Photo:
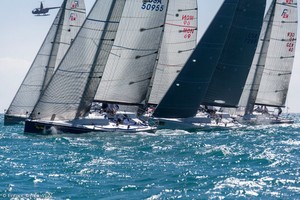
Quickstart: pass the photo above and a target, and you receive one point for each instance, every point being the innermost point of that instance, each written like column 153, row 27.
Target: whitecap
column 294, row 189
column 291, row 142
column 154, row 197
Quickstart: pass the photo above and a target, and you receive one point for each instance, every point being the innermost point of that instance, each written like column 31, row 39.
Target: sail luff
column 229, row 78
column 62, row 97
column 93, row 81
column 31, row 86
column 261, row 60
column 131, row 63
column 178, row 42
column 230, row 39
column 54, row 46
column 54, row 49
column 185, row 94
column 278, row 68
column 156, row 62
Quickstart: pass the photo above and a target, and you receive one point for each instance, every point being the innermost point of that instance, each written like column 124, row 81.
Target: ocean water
column 260, row 162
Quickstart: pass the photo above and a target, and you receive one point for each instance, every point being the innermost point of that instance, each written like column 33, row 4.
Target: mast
column 279, row 63
column 48, row 55
column 94, row 76
column 130, row 66
column 259, row 63
column 54, row 49
column 74, row 83
column 233, row 27
column 228, row 80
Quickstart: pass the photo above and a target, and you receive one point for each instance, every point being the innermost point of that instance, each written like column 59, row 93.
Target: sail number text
column 153, row 5
column 291, row 41
column 187, row 21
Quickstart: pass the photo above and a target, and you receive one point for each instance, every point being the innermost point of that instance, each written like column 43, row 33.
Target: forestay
column 179, row 41
column 278, row 67
column 72, row 88
column 133, row 57
column 229, row 78
column 54, row 47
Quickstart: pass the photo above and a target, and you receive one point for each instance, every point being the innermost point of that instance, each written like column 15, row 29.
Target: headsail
column 229, row 78
column 132, row 60
column 233, row 21
column 72, row 88
column 179, row 41
column 55, row 45
column 278, row 67
column 251, row 87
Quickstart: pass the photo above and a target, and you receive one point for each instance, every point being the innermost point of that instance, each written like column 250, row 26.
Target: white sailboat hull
column 201, row 122
column 261, row 119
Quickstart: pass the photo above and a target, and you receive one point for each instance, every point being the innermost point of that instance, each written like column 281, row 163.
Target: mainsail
column 251, row 87
column 178, row 43
column 235, row 27
column 231, row 73
column 279, row 61
column 73, row 86
column 63, row 30
column 133, row 57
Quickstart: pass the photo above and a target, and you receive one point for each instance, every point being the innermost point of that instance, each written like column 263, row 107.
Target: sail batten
column 62, row 31
column 75, row 82
column 279, row 62
column 233, row 67
column 132, row 59
column 178, row 43
column 231, row 39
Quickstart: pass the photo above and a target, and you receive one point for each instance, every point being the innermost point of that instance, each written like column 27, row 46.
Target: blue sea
column 261, row 162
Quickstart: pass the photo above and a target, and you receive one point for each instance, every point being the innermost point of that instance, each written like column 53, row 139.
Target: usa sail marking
column 153, row 5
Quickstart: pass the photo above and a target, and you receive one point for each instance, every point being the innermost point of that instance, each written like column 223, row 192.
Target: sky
column 21, row 35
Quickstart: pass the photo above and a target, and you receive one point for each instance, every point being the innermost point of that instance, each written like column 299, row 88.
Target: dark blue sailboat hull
column 48, row 128
column 10, row 120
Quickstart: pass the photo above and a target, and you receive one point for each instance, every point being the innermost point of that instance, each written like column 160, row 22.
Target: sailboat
column 268, row 81
column 217, row 70
column 109, row 62
column 63, row 30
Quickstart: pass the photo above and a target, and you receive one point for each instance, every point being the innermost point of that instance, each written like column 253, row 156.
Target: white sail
column 278, row 67
column 73, row 86
column 76, row 16
column 55, row 45
column 179, row 41
column 132, row 60
column 251, row 87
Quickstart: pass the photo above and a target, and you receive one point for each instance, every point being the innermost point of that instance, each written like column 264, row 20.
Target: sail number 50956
column 152, row 7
